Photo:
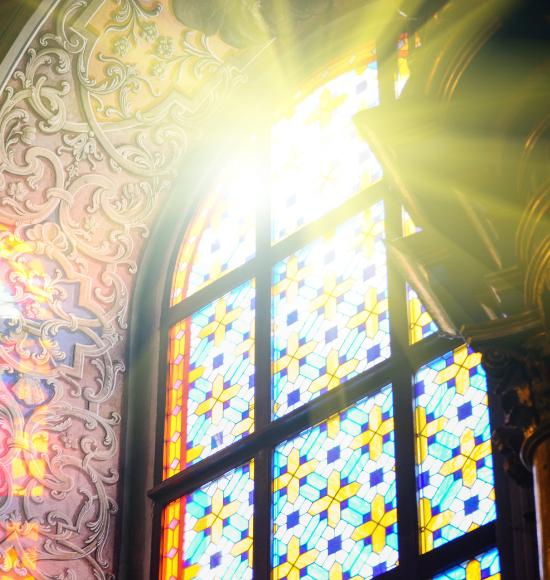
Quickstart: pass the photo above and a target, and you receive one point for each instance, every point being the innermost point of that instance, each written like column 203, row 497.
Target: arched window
column 316, row 424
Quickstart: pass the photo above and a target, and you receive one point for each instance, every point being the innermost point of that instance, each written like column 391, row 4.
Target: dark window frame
column 398, row 370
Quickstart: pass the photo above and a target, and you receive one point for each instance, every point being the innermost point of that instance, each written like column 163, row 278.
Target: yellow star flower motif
column 367, row 237
column 375, row 434
column 218, row 398
column 331, row 292
column 294, row 561
column 425, row 430
column 376, row 528
column 326, row 105
column 294, row 472
column 244, row 545
column 331, row 501
column 460, row 370
column 335, row 573
column 293, row 277
column 417, row 320
column 429, row 524
column 467, row 460
column 291, row 360
column 246, row 424
column 335, row 372
column 333, row 426
column 221, row 319
column 247, row 345
column 369, row 316
column 214, row 520
column 473, row 570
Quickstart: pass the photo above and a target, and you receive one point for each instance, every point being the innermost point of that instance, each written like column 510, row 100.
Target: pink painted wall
column 94, row 125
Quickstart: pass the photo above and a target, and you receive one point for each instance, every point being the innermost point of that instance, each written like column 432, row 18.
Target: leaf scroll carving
column 83, row 167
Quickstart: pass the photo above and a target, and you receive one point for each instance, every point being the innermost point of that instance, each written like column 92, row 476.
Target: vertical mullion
column 262, row 395
column 405, row 463
column 402, row 380
column 262, row 515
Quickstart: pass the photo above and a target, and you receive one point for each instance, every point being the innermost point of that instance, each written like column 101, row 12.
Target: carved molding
column 94, row 123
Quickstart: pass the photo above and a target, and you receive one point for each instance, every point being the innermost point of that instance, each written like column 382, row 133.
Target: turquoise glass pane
column 334, row 500
column 330, row 311
column 453, row 446
column 483, row 567
column 208, row 535
column 210, row 391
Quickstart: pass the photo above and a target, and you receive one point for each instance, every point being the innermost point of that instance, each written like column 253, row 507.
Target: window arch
column 316, row 425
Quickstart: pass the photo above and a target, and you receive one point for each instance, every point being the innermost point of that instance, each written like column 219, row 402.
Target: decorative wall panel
column 94, row 123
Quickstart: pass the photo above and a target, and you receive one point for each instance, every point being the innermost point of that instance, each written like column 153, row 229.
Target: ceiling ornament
column 244, row 23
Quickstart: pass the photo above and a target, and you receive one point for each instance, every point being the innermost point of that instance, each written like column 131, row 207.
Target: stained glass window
column 330, row 311
column 318, row 160
column 334, row 500
column 210, row 401
column 330, row 465
column 409, row 226
column 208, row 534
column 222, row 235
column 403, row 73
column 483, row 567
column 453, row 448
column 421, row 324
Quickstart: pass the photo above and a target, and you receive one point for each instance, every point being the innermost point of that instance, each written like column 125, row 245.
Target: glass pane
column 409, row 226
column 421, row 324
column 222, row 235
column 334, row 501
column 453, row 448
column 403, row 73
column 330, row 311
column 484, row 567
column 318, row 160
column 208, row 535
column 210, row 399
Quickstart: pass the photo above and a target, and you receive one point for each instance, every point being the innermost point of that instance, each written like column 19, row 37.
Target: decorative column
column 516, row 356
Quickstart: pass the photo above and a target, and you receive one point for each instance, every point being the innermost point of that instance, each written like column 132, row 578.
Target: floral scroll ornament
column 82, row 147
column 122, row 46
column 17, row 191
column 131, row 18
column 195, row 49
column 149, row 31
column 70, row 242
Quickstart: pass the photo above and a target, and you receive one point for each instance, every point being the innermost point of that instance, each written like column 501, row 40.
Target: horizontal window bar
column 298, row 420
column 217, row 289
